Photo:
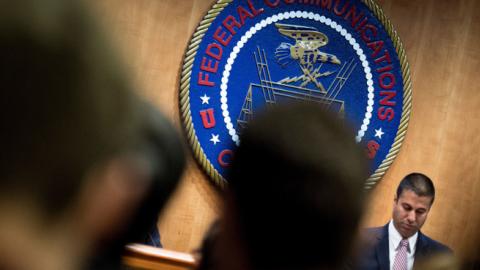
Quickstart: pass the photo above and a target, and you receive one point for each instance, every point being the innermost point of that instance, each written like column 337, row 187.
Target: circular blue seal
column 249, row 55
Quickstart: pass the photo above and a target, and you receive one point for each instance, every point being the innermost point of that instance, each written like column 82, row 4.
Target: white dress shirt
column 394, row 239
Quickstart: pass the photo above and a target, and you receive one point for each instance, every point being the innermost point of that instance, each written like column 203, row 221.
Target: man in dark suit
column 400, row 244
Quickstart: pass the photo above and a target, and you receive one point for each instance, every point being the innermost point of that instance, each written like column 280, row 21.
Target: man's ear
column 110, row 196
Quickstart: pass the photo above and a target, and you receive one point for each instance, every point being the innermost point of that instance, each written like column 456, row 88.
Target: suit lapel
column 383, row 249
column 421, row 249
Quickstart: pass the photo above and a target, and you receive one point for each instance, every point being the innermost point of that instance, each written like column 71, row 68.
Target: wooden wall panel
column 441, row 38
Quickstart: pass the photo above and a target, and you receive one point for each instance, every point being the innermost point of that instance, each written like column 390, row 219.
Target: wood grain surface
column 441, row 38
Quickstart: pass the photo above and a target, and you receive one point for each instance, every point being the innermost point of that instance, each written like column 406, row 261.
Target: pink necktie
column 400, row 261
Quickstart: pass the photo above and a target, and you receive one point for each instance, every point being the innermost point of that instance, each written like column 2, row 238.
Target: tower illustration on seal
column 306, row 87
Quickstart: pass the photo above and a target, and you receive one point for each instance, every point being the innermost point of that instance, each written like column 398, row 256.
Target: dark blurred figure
column 473, row 261
column 163, row 151
column 400, row 244
column 295, row 194
column 85, row 165
column 439, row 261
column 208, row 256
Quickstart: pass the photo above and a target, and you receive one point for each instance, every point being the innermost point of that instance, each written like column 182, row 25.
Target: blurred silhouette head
column 295, row 190
column 84, row 162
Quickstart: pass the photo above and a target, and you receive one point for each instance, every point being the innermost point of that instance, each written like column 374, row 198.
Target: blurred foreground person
column 400, row 244
column 439, row 261
column 85, row 165
column 295, row 194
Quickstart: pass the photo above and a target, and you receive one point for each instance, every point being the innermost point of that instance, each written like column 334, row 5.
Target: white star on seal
column 379, row 133
column 205, row 99
column 215, row 139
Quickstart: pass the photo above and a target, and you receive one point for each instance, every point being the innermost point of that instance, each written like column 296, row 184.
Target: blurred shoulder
column 375, row 232
column 434, row 245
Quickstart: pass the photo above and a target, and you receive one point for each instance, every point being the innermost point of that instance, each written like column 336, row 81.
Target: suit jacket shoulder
column 426, row 246
column 374, row 249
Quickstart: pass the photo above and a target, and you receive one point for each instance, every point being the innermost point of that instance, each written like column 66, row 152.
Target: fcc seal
column 249, row 55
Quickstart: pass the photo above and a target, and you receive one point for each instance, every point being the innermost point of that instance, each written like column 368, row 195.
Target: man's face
column 410, row 212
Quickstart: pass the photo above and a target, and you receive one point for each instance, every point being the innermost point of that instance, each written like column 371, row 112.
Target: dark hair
column 419, row 183
column 297, row 182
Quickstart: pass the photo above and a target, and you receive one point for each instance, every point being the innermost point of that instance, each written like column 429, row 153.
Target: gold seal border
column 186, row 115
column 185, row 90
column 407, row 95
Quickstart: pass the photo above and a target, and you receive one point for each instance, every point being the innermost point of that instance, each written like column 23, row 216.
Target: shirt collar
column 395, row 238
